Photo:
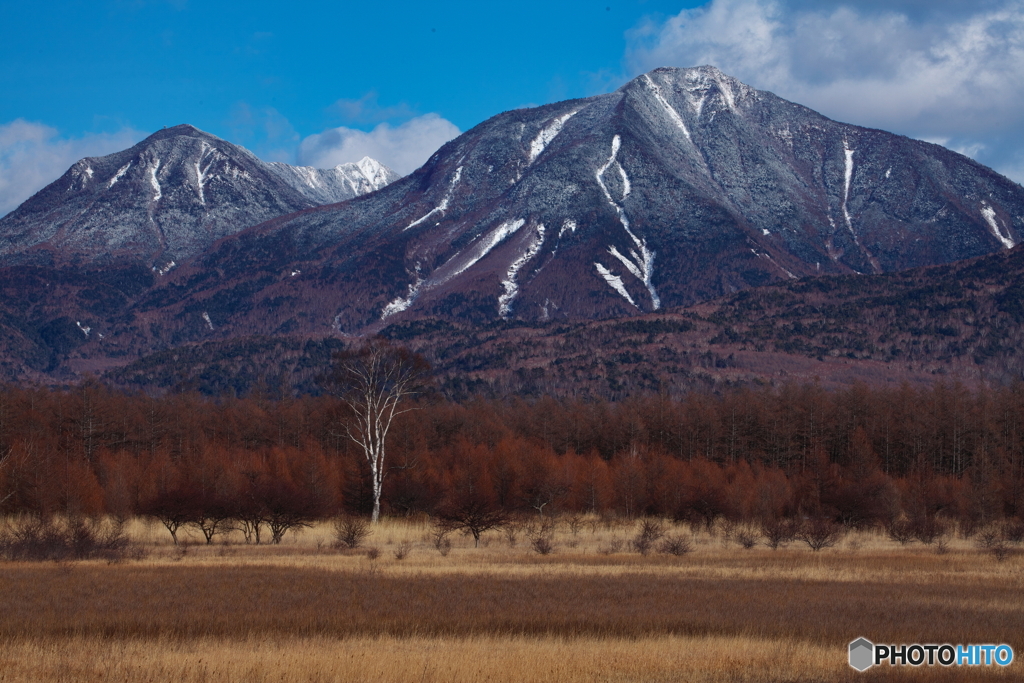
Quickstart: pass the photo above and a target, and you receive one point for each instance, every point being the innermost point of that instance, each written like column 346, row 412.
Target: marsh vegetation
column 594, row 607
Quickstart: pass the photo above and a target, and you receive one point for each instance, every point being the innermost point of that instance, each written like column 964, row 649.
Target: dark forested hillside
column 963, row 321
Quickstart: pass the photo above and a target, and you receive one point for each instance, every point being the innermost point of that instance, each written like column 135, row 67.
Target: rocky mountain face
column 166, row 199
column 682, row 186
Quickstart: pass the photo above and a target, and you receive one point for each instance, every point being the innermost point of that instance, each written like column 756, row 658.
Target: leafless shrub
column 350, row 532
column 942, row 547
column 899, row 530
column 778, row 532
column 651, row 531
column 927, row 529
column 402, row 551
column 283, row 508
column 967, row 527
column 1013, row 531
column 988, row 539
column 75, row 539
column 372, row 553
column 819, row 533
column 545, row 526
column 511, row 530
column 675, row 545
column 993, row 540
column 473, row 514
column 575, row 523
column 542, row 545
column 442, row 543
column 541, row 536
column 744, row 538
column 614, row 546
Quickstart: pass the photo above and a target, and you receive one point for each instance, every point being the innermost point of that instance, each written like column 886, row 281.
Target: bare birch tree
column 375, row 382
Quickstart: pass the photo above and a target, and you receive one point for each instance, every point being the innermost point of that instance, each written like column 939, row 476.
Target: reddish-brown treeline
column 859, row 456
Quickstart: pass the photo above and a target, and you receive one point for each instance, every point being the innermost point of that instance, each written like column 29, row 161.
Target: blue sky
column 320, row 84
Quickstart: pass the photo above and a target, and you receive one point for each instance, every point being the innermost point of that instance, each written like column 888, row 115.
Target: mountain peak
column 167, row 198
column 181, row 130
column 341, row 183
column 692, row 74
column 367, row 165
column 693, row 87
column 683, row 185
column 704, row 70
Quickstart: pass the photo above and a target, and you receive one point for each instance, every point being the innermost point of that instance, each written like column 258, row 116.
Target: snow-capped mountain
column 168, row 198
column 332, row 185
column 682, row 185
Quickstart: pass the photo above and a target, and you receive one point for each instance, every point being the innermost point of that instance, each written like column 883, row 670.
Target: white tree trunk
column 376, row 379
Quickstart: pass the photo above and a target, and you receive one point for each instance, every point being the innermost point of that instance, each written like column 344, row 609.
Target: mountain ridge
column 616, row 192
column 168, row 198
column 341, row 183
column 681, row 187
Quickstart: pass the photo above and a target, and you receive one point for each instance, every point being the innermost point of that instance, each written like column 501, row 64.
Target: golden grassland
column 589, row 611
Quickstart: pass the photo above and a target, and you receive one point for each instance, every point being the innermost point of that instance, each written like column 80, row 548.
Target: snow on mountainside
column 338, row 184
column 681, row 186
column 168, row 198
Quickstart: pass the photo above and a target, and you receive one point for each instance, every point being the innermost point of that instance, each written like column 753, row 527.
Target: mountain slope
column 681, row 186
column 168, row 198
column 960, row 322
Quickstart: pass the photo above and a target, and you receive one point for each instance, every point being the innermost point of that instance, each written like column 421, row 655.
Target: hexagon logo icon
column 862, row 654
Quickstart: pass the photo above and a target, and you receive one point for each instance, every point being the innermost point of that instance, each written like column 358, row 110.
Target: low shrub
column 63, row 540
column 778, row 532
column 350, row 532
column 675, row 545
column 651, row 531
column 819, row 533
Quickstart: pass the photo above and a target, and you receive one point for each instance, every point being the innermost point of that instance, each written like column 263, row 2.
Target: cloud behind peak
column 404, row 147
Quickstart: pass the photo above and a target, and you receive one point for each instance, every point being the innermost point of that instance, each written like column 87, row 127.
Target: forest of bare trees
column 858, row 457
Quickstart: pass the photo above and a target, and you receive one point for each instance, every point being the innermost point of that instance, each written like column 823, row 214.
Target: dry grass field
column 591, row 610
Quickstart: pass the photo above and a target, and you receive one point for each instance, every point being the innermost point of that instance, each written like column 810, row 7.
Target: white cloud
column 403, row 148
column 32, row 155
column 952, row 71
column 367, row 109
